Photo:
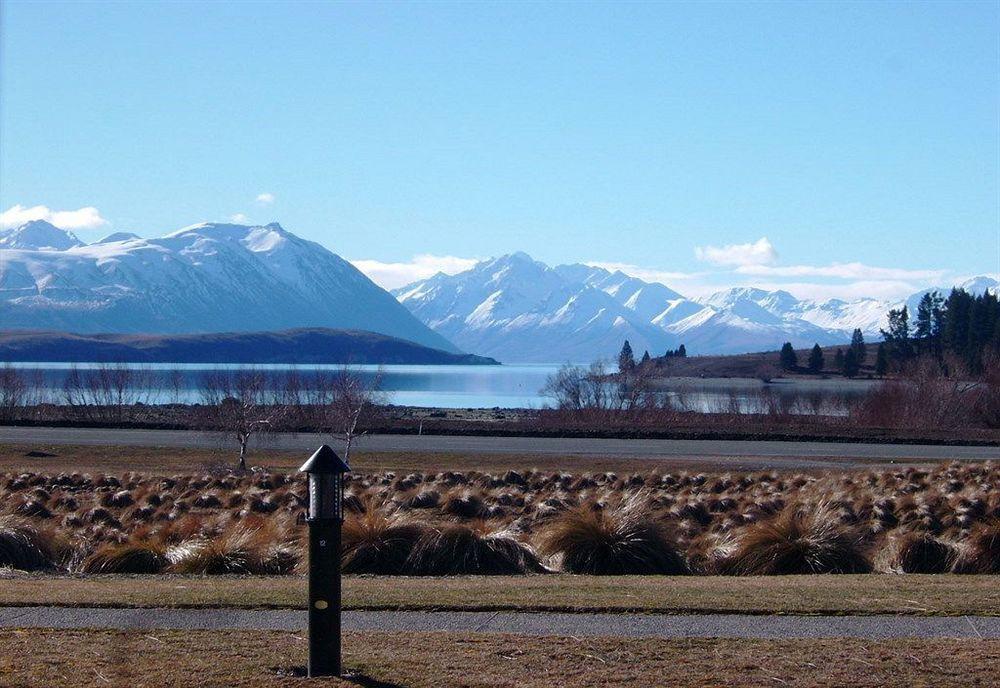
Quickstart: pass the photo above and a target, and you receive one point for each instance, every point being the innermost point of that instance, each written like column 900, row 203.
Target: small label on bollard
column 320, row 604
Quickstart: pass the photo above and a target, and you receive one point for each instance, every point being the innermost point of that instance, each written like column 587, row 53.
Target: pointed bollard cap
column 325, row 460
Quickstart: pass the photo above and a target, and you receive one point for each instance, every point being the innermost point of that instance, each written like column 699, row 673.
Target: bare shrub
column 922, row 397
column 106, row 392
column 343, row 401
column 13, row 392
column 235, row 404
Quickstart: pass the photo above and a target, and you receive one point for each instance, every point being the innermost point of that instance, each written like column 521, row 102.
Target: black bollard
column 326, row 517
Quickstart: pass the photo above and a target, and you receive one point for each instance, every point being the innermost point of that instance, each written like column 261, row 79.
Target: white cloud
column 392, row 275
column 239, row 218
column 83, row 218
column 760, row 252
column 847, row 271
column 266, row 198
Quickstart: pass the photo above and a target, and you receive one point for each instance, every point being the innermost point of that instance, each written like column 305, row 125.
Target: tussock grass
column 623, row 539
column 460, row 549
column 26, row 547
column 373, row 542
column 917, row 552
column 148, row 556
column 914, row 520
column 802, row 539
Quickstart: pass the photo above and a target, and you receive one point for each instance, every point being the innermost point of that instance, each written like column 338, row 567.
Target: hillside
column 209, row 277
column 762, row 364
column 306, row 346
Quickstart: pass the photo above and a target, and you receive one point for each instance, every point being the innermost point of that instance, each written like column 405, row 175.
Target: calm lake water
column 507, row 386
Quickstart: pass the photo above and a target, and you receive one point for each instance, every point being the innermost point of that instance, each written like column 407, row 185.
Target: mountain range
column 204, row 278
column 215, row 277
column 518, row 309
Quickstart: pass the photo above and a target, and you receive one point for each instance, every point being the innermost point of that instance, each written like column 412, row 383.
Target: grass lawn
column 42, row 458
column 831, row 594
column 81, row 659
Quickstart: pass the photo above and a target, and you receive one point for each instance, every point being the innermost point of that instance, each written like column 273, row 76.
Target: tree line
column 627, row 362
column 960, row 332
column 235, row 403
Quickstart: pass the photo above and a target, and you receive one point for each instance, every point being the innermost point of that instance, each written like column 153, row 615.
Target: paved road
column 804, row 454
column 520, row 623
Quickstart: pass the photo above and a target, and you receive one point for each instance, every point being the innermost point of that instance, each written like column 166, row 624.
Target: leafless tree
column 236, row 404
column 175, row 383
column 13, row 392
column 346, row 398
column 575, row 388
column 106, row 393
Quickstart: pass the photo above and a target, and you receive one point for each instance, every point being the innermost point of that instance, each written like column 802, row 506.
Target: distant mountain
column 517, row 309
column 204, row 278
column 38, row 235
column 306, row 346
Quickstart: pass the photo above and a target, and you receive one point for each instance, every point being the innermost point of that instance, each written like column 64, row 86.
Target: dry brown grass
column 616, row 539
column 944, row 594
column 801, row 539
column 482, row 522
column 252, row 659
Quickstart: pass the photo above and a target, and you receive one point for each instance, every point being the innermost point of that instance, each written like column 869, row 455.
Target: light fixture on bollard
column 326, row 516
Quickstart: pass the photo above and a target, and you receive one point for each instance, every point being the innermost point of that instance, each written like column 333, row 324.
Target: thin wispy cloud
column 847, row 271
column 760, row 252
column 393, row 275
column 82, row 218
column 265, row 198
column 239, row 218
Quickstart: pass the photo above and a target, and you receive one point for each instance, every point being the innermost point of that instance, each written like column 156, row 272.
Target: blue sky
column 844, row 149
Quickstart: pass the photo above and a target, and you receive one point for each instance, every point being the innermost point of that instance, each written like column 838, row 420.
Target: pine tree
column 897, row 337
column 925, row 317
column 816, row 359
column 789, row 360
column 626, row 359
column 858, row 346
column 851, row 365
column 881, row 360
column 838, row 360
column 645, row 358
column 682, row 352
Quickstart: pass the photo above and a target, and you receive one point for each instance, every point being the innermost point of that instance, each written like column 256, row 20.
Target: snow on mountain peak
column 118, row 236
column 208, row 277
column 39, row 235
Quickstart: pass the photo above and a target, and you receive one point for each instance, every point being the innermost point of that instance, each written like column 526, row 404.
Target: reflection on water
column 508, row 386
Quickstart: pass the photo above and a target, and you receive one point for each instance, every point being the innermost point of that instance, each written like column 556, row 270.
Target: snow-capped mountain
column 38, row 235
column 204, row 278
column 517, row 309
column 524, row 310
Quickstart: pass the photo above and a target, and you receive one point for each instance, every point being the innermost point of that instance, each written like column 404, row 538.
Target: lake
column 507, row 386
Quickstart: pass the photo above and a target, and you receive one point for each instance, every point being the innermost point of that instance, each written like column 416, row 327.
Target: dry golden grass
column 167, row 460
column 85, row 659
column 475, row 522
column 939, row 595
